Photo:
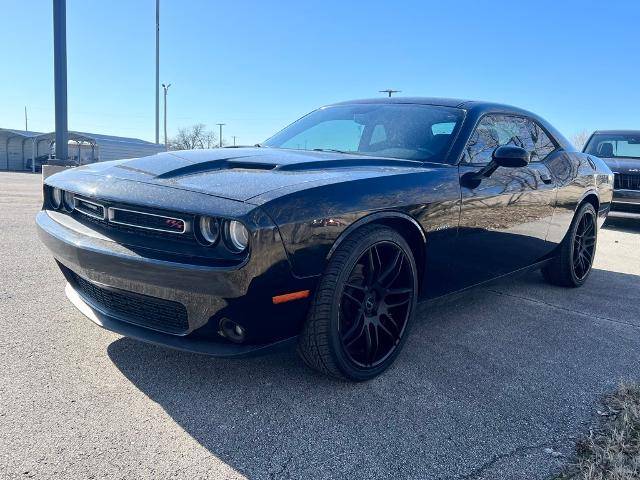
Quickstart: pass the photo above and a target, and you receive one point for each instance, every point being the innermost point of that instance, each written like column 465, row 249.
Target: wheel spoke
column 376, row 343
column 588, row 229
column 398, row 303
column 387, row 331
column 393, row 322
column 398, row 291
column 369, row 342
column 396, row 265
column 352, row 298
column 354, row 286
column 588, row 254
column 372, row 269
column 357, row 325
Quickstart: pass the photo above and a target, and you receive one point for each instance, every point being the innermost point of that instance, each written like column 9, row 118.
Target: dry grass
column 612, row 451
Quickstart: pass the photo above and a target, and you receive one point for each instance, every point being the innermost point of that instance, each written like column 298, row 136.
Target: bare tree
column 196, row 136
column 580, row 138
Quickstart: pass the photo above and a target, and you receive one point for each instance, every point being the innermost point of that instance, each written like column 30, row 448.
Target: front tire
column 572, row 266
column 364, row 305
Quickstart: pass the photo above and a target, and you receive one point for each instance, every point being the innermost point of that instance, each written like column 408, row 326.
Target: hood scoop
column 215, row 165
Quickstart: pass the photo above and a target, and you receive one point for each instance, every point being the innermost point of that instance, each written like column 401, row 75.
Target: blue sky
column 258, row 65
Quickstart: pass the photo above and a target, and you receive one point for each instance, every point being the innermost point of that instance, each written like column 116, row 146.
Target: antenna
column 390, row 91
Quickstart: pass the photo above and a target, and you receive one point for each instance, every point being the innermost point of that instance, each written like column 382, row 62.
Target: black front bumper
column 206, row 293
column 626, row 204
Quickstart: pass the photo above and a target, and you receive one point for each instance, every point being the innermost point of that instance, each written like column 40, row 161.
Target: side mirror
column 510, row 156
column 507, row 156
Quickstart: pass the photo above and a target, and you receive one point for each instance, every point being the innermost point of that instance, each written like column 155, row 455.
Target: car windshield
column 405, row 131
column 611, row 146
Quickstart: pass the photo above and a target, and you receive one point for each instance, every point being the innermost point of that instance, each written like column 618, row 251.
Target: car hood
column 244, row 173
column 623, row 165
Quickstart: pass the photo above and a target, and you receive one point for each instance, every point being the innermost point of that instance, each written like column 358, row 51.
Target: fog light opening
column 232, row 330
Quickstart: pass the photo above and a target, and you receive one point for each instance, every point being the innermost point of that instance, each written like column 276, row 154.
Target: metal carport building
column 17, row 147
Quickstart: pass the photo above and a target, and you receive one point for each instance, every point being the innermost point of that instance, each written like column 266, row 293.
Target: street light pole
column 221, row 125
column 60, row 77
column 165, row 87
column 157, row 71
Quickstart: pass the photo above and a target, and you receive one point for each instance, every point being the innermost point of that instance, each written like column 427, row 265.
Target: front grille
column 134, row 220
column 143, row 310
column 147, row 221
column 627, row 181
column 94, row 210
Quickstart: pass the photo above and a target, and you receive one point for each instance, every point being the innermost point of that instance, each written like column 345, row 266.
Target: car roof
column 444, row 102
column 476, row 105
column 617, row 132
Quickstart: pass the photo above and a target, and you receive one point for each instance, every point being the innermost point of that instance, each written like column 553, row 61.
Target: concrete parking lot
column 487, row 383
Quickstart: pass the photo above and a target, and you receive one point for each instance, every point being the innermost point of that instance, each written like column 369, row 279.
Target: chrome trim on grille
column 110, row 217
column 77, row 199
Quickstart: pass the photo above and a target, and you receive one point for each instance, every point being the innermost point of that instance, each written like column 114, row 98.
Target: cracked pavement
column 487, row 381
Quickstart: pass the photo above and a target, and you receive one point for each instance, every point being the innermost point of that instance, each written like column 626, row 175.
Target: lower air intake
column 143, row 310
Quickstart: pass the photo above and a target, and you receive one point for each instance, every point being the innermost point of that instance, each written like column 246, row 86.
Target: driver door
column 505, row 218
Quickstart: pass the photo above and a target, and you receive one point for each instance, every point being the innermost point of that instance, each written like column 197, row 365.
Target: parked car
column 41, row 160
column 328, row 233
column 620, row 149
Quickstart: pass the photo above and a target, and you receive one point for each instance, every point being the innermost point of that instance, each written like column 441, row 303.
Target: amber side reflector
column 287, row 297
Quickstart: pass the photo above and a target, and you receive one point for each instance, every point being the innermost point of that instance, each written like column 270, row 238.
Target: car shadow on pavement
column 486, row 382
column 627, row 225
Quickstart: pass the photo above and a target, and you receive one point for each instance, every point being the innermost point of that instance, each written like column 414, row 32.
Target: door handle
column 545, row 177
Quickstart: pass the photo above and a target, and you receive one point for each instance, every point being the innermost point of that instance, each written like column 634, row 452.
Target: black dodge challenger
column 328, row 233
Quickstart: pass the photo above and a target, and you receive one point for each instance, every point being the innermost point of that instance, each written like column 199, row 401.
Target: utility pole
column 221, row 125
column 234, row 140
column 390, row 91
column 26, row 123
column 60, row 77
column 166, row 87
column 157, row 71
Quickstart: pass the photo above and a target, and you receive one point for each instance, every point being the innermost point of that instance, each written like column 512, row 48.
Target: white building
column 19, row 147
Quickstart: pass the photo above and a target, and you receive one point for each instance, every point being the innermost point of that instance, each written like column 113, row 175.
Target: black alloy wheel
column 584, row 246
column 363, row 307
column 572, row 264
column 376, row 304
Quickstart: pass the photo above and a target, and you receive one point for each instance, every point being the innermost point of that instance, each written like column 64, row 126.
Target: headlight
column 56, row 198
column 68, row 201
column 237, row 236
column 207, row 230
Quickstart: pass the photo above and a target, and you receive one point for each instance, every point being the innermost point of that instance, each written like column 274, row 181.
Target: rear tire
column 572, row 266
column 361, row 312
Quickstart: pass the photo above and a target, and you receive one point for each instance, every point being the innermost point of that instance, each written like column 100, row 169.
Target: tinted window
column 342, row 135
column 494, row 131
column 608, row 146
column 408, row 131
column 543, row 144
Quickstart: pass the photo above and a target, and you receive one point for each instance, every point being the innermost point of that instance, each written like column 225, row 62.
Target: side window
column 543, row 145
column 494, row 131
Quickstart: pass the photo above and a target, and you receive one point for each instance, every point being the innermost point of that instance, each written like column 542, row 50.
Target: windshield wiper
column 329, row 150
